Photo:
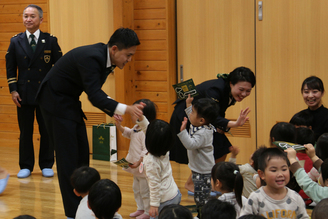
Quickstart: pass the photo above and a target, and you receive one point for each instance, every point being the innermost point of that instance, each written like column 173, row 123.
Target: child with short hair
column 275, row 200
column 228, row 180
column 320, row 210
column 137, row 150
column 199, row 145
column 105, row 199
column 162, row 187
column 283, row 131
column 175, row 211
column 302, row 119
column 217, row 209
column 82, row 179
column 248, row 170
column 311, row 188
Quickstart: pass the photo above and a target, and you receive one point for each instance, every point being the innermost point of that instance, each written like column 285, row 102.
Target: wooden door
column 291, row 44
column 216, row 36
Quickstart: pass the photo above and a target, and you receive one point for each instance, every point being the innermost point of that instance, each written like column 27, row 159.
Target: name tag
column 47, row 51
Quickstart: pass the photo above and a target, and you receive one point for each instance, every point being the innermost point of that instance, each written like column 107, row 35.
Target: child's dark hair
column 304, row 136
column 241, row 74
column 321, row 149
column 324, row 170
column 149, row 111
column 175, row 211
column 312, row 83
column 206, row 108
column 302, row 118
column 159, row 138
column 270, row 153
column 283, row 131
column 256, row 155
column 231, row 179
column 105, row 198
column 217, row 209
column 25, row 216
column 251, row 216
column 83, row 178
column 124, row 38
column 320, row 210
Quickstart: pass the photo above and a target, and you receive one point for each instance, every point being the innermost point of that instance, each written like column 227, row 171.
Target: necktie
column 32, row 44
column 110, row 69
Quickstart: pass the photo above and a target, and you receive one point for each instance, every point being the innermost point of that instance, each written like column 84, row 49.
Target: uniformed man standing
column 32, row 53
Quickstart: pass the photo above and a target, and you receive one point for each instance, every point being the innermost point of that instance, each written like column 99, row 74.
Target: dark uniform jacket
column 32, row 67
column 81, row 69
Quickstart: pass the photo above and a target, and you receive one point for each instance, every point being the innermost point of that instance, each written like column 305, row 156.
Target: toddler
column 137, row 150
column 198, row 143
column 162, row 187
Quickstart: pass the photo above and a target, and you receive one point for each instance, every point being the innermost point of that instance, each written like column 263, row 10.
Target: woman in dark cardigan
column 226, row 90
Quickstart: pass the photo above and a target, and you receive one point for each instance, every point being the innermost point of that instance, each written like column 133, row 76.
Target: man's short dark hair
column 124, row 38
column 105, row 199
column 83, row 178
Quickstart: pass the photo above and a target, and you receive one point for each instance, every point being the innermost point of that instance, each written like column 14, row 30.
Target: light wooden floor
column 40, row 197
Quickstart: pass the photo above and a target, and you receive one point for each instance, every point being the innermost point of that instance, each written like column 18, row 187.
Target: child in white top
column 275, row 200
column 226, row 178
column 137, row 150
column 163, row 189
column 82, row 180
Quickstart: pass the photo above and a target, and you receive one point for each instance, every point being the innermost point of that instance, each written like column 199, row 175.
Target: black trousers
column 72, row 151
column 26, row 115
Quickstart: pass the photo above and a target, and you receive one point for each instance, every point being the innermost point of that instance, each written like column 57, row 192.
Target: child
column 105, row 199
column 199, row 145
column 175, row 211
column 82, row 179
column 283, row 131
column 137, row 150
column 320, row 210
column 304, row 135
column 162, row 187
column 311, row 188
column 275, row 200
column 302, row 119
column 248, row 170
column 228, row 180
column 216, row 209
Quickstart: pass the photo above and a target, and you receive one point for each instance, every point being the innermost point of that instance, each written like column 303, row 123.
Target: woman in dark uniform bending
column 226, row 90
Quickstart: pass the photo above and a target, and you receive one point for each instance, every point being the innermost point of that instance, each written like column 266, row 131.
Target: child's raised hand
column 310, row 150
column 189, row 100
column 184, row 124
column 234, row 151
column 291, row 154
column 118, row 119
